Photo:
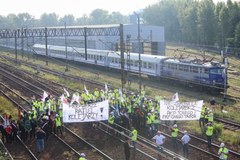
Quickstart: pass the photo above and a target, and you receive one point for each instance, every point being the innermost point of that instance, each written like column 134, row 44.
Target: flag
column 75, row 98
column 63, row 99
column 6, row 121
column 121, row 95
column 67, row 93
column 85, row 88
column 106, row 88
column 44, row 96
column 175, row 97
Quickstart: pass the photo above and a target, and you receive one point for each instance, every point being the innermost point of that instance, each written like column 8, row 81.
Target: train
column 192, row 71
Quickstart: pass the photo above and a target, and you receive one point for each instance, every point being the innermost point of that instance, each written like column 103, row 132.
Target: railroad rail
column 21, row 148
column 227, row 124
column 98, row 153
column 37, row 93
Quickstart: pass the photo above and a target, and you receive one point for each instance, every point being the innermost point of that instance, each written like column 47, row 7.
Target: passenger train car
column 187, row 70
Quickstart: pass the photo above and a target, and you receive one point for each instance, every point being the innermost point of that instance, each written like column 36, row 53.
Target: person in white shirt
column 185, row 139
column 159, row 140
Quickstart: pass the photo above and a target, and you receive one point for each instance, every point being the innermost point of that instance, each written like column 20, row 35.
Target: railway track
column 97, row 154
column 21, row 151
column 11, row 78
column 226, row 123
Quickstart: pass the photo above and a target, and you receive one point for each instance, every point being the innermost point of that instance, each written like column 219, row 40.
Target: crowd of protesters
column 130, row 111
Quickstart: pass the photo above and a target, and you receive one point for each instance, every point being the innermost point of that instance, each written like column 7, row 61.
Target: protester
column 159, row 140
column 127, row 149
column 134, row 134
column 40, row 135
column 185, row 140
column 82, row 156
column 223, row 152
column 174, row 135
column 209, row 133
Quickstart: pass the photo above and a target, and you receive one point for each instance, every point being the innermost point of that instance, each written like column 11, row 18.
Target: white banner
column 88, row 113
column 170, row 110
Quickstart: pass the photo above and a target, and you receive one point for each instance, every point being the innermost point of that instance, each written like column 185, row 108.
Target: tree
column 99, row 16
column 116, row 18
column 25, row 19
column 237, row 36
column 207, row 22
column 167, row 16
column 68, row 19
column 84, row 20
column 49, row 20
column 223, row 25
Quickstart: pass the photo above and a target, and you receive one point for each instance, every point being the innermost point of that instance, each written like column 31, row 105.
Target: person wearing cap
column 209, row 133
column 82, row 156
column 185, row 140
column 159, row 140
column 174, row 135
column 223, row 152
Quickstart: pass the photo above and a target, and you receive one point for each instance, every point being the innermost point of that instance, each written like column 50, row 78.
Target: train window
column 165, row 65
column 173, row 66
column 193, row 69
column 216, row 71
column 135, row 63
column 131, row 62
column 206, row 70
column 186, row 68
column 169, row 66
column 144, row 64
column 150, row 66
column 180, row 67
column 112, row 60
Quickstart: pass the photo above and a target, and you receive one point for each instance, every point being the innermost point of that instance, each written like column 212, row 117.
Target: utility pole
column 15, row 36
column 46, row 46
column 66, row 46
column 139, row 53
column 122, row 56
column 22, row 43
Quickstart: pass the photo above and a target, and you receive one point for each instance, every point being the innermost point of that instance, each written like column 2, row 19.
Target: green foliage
column 232, row 137
column 217, row 129
column 237, row 36
column 7, row 107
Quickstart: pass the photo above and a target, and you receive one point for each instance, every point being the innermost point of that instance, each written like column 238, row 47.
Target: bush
column 217, row 129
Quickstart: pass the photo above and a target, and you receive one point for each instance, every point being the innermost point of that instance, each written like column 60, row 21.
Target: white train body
column 152, row 65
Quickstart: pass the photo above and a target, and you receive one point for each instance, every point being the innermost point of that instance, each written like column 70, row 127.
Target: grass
column 6, row 107
column 230, row 137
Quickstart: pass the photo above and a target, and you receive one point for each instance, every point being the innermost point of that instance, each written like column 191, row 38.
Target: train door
column 106, row 60
column 157, row 69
